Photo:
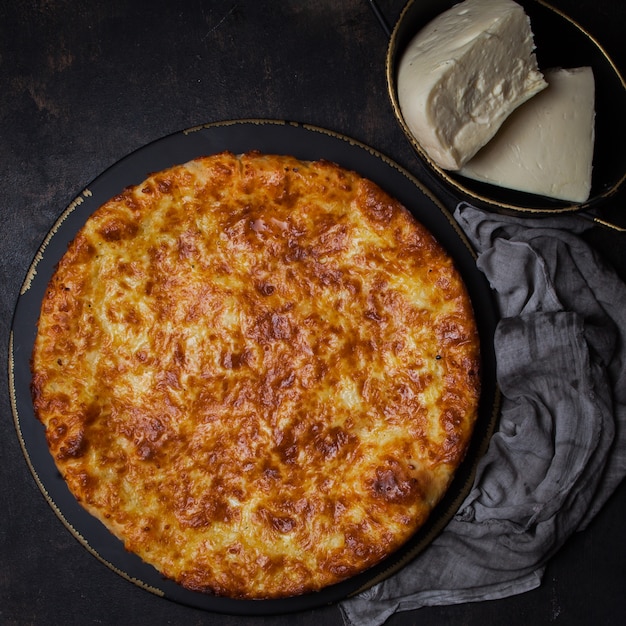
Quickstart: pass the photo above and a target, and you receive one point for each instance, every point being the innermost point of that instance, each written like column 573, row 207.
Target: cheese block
column 546, row 146
column 463, row 74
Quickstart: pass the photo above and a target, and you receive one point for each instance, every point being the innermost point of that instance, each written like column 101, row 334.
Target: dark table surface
column 82, row 84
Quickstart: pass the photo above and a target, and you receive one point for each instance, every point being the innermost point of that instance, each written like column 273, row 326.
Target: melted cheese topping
column 259, row 373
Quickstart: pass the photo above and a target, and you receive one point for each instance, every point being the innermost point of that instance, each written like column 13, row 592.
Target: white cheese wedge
column 546, row 146
column 463, row 74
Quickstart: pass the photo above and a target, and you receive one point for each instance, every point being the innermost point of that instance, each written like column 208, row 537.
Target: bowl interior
column 560, row 42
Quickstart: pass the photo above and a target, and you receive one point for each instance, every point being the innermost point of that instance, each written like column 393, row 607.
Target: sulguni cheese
column 463, row 74
column 546, row 145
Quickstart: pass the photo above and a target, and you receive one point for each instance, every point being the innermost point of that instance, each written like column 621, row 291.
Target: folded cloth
column 559, row 449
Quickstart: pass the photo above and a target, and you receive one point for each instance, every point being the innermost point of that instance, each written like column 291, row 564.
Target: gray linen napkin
column 560, row 446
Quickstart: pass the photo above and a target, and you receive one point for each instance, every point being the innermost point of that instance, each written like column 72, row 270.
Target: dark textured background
column 82, row 84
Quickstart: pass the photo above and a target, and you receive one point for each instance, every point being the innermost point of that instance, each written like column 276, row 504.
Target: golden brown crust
column 260, row 373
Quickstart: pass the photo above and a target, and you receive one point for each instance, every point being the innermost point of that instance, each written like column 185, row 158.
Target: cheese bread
column 260, row 373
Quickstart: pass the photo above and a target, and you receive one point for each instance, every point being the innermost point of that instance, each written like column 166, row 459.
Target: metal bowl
column 560, row 42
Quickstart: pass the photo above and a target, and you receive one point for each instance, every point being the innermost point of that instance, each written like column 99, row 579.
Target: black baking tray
column 269, row 136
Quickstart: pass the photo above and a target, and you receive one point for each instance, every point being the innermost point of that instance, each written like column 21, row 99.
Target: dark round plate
column 560, row 42
column 267, row 136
